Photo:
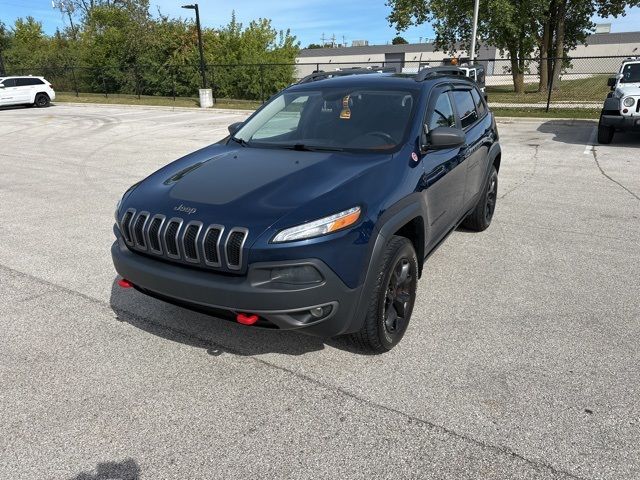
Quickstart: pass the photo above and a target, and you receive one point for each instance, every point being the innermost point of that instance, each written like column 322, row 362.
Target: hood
column 250, row 187
column 626, row 89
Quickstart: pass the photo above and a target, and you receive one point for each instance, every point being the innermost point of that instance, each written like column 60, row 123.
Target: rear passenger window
column 442, row 113
column 9, row 82
column 480, row 108
column 466, row 107
column 27, row 82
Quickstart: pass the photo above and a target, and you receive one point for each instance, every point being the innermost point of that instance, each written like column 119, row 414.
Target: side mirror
column 445, row 137
column 611, row 82
column 234, row 127
column 1, row 85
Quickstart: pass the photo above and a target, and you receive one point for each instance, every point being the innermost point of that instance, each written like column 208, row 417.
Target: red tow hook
column 247, row 318
column 124, row 283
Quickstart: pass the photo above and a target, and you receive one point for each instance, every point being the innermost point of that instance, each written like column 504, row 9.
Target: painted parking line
column 591, row 144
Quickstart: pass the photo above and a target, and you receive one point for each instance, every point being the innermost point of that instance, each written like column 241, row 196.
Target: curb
column 564, row 120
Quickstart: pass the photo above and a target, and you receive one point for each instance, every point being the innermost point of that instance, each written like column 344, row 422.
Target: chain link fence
column 579, row 83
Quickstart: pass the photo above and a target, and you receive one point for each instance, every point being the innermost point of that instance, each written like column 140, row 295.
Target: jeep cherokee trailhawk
column 318, row 212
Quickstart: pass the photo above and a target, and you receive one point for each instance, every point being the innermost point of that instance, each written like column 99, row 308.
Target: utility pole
column 333, row 41
column 195, row 7
column 322, row 39
column 474, row 31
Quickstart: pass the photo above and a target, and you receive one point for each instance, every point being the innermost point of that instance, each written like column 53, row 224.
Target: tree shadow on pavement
column 215, row 335
column 582, row 132
column 575, row 132
column 126, row 470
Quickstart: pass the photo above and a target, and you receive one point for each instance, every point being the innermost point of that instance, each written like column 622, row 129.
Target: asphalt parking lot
column 521, row 361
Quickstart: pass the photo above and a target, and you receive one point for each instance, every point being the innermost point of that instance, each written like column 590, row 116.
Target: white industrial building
column 420, row 54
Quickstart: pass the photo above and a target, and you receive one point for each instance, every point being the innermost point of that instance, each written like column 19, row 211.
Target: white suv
column 621, row 109
column 26, row 91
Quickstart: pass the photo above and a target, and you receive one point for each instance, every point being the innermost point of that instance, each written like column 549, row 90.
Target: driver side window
column 442, row 113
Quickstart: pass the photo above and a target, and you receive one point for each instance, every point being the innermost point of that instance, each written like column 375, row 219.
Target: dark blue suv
column 319, row 211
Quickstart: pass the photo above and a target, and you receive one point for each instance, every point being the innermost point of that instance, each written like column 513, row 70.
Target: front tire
column 392, row 299
column 42, row 100
column 605, row 133
column 480, row 218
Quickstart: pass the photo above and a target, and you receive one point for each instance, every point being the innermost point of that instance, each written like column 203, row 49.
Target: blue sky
column 307, row 19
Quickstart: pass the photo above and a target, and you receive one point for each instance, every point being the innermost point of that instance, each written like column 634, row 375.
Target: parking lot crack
column 527, row 176
column 336, row 390
column 604, row 174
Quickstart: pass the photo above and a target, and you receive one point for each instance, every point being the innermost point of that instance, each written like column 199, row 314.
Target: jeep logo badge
column 187, row 210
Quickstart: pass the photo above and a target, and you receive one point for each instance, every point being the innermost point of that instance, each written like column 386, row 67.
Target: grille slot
column 171, row 237
column 233, row 247
column 125, row 226
column 155, row 245
column 138, row 230
column 190, row 241
column 211, row 245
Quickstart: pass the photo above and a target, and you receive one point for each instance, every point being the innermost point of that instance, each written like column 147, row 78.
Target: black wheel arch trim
column 392, row 220
column 494, row 152
column 612, row 103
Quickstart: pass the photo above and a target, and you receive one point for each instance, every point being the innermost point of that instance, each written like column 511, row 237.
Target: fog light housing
column 314, row 314
column 317, row 312
column 296, row 275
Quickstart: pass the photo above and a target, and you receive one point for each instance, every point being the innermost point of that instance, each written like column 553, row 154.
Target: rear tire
column 42, row 100
column 605, row 133
column 392, row 299
column 480, row 218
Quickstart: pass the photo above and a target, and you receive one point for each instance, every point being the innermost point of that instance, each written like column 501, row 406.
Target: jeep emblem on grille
column 187, row 210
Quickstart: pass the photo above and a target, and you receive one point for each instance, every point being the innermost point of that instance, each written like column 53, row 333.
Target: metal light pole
column 474, row 34
column 195, row 7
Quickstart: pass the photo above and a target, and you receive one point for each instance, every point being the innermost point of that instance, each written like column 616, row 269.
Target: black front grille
column 211, row 246
column 234, row 248
column 190, row 238
column 138, row 230
column 171, row 238
column 190, row 242
column 154, row 235
column 125, row 226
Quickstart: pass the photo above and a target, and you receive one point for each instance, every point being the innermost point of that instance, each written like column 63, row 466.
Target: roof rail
column 321, row 75
column 427, row 72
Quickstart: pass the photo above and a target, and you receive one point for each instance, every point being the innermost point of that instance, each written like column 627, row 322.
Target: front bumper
column 285, row 307
column 621, row 122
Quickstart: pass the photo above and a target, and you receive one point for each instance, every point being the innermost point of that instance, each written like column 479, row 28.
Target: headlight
column 325, row 225
column 629, row 101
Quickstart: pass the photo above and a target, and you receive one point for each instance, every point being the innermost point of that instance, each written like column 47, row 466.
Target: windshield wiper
column 239, row 141
column 312, row 148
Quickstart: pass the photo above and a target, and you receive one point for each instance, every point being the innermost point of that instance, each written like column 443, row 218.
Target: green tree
column 521, row 28
column 565, row 23
column 398, row 40
column 238, row 53
column 28, row 43
column 119, row 46
column 5, row 41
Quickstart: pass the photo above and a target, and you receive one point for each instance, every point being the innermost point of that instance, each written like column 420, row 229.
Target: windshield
column 631, row 73
column 332, row 119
